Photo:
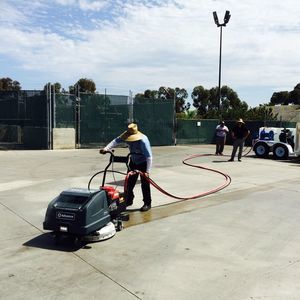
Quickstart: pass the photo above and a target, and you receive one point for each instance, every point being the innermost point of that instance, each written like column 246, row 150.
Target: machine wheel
column 280, row 151
column 261, row 149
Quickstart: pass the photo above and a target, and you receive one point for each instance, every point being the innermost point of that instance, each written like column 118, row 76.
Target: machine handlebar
column 114, row 158
column 102, row 151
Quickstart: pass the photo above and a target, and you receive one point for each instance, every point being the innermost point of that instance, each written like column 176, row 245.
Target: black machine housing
column 83, row 211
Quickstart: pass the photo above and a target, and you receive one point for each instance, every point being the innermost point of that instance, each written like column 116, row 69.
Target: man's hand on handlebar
column 103, row 151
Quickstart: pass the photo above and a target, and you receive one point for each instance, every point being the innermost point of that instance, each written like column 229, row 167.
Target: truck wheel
column 261, row 149
column 280, row 151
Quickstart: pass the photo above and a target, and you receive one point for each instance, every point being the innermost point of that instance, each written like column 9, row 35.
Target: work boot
column 145, row 207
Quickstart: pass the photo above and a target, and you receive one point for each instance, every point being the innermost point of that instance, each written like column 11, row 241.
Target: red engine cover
column 111, row 192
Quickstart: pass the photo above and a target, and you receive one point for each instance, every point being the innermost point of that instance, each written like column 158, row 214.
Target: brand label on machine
column 65, row 216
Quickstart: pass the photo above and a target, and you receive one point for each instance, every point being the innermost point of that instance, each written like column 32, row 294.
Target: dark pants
column 132, row 181
column 220, row 142
column 237, row 144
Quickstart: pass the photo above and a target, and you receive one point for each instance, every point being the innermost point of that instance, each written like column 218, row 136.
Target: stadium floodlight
column 216, row 18
column 226, row 20
column 227, row 17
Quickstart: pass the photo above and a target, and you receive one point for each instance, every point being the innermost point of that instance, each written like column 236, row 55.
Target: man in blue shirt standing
column 141, row 159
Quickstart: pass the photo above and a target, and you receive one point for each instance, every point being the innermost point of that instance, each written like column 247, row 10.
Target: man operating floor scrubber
column 140, row 159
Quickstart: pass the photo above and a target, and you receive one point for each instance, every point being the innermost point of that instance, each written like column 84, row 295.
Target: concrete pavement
column 239, row 243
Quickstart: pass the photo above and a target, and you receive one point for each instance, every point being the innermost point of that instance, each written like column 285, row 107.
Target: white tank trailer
column 284, row 143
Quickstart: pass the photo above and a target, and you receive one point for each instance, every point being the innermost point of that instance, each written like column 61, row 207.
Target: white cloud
column 10, row 15
column 66, row 2
column 96, row 5
column 176, row 44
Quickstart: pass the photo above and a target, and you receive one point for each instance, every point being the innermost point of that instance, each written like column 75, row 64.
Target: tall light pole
column 226, row 20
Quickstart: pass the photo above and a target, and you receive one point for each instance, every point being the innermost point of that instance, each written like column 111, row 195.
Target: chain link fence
column 28, row 118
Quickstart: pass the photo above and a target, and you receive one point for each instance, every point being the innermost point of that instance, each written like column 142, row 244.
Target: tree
column 295, row 95
column 56, row 86
column 207, row 103
column 178, row 94
column 166, row 93
column 188, row 115
column 147, row 96
column 261, row 113
column 181, row 96
column 230, row 99
column 232, row 107
column 285, row 97
column 7, row 84
column 280, row 98
column 86, row 85
column 150, row 94
column 201, row 99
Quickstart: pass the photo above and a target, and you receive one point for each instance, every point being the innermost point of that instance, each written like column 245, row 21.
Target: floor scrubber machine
column 88, row 215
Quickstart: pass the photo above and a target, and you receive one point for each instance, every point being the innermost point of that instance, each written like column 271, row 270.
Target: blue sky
column 138, row 44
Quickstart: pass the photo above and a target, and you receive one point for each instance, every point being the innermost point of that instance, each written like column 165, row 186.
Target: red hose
column 218, row 188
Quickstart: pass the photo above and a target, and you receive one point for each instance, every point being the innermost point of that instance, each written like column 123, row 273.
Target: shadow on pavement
column 48, row 241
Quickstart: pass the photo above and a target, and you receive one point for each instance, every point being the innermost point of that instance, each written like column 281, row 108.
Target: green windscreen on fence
column 155, row 118
column 203, row 131
column 27, row 119
column 9, row 107
column 23, row 108
column 195, row 131
column 64, row 107
column 100, row 119
column 104, row 117
column 23, row 119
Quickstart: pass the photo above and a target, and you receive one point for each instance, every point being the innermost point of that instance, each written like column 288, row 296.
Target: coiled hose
column 154, row 184
column 186, row 162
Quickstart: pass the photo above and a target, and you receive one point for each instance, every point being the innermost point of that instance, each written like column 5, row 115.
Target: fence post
column 77, row 116
column 49, row 116
column 130, row 107
column 54, row 107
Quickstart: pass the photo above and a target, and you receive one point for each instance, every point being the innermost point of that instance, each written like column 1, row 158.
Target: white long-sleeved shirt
column 141, row 150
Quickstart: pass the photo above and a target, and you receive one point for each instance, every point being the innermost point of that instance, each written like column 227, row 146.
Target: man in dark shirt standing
column 239, row 134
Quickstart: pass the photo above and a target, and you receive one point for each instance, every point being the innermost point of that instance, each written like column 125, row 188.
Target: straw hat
column 240, row 121
column 131, row 134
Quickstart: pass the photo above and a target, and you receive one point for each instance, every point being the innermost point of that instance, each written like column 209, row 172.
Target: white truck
column 282, row 142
